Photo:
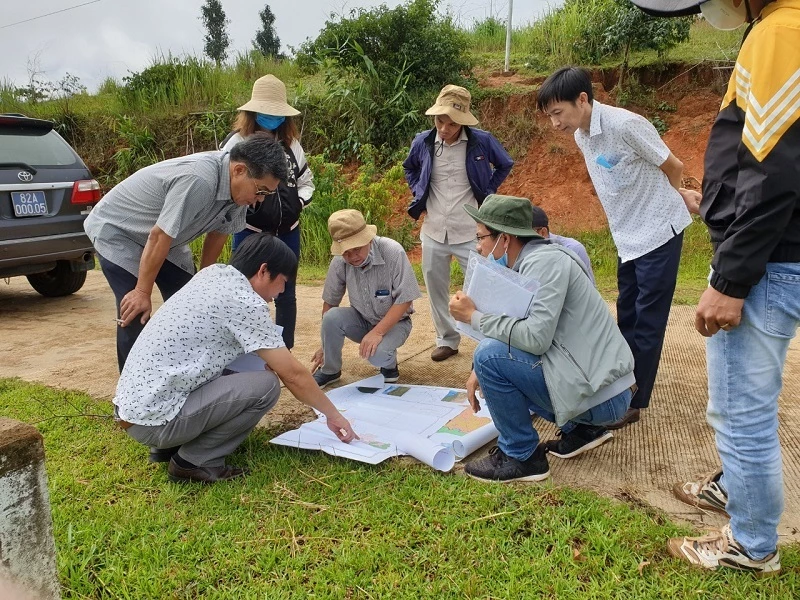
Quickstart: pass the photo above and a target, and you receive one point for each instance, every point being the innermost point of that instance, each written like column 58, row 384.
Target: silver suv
column 46, row 191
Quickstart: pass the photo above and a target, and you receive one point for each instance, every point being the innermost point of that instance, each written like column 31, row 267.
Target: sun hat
column 349, row 230
column 506, row 214
column 269, row 98
column 453, row 101
column 669, row 8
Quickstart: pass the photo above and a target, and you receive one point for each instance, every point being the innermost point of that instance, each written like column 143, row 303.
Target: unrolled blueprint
column 433, row 424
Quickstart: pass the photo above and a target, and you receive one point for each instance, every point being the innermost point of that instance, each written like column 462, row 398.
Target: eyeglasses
column 264, row 191
column 478, row 238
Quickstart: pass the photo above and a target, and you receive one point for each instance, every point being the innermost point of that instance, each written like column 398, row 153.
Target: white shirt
column 446, row 220
column 212, row 320
column 624, row 153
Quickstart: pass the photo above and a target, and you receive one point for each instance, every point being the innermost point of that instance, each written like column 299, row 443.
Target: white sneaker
column 719, row 549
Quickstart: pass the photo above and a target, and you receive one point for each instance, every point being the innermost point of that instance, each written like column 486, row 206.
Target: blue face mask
column 503, row 260
column 269, row 122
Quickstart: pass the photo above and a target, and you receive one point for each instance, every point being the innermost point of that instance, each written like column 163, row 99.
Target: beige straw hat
column 269, row 98
column 453, row 101
column 349, row 230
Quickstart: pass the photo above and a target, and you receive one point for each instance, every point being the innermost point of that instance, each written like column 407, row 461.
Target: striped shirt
column 186, row 197
column 446, row 221
column 386, row 279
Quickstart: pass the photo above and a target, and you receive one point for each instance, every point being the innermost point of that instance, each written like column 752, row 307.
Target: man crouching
column 566, row 361
column 173, row 394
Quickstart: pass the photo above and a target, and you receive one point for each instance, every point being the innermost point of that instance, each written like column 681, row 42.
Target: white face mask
column 722, row 14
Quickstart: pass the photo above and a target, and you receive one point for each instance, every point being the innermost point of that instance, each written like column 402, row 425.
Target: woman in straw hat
column 279, row 212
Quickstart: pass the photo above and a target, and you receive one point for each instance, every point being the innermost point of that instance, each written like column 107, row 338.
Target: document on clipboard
column 497, row 290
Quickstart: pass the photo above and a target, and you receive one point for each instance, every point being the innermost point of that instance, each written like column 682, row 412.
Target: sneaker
column 719, row 549
column 390, row 375
column 706, row 494
column 324, row 379
column 500, row 467
column 578, row 441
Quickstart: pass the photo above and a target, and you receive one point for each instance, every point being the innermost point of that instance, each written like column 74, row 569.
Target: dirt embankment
column 552, row 171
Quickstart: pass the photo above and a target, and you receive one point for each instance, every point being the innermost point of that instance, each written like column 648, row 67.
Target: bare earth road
column 69, row 343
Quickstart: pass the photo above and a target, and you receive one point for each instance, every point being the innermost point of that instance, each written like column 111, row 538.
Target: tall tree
column 216, row 24
column 266, row 41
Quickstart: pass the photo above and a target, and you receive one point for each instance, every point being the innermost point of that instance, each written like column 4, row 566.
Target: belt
column 123, row 424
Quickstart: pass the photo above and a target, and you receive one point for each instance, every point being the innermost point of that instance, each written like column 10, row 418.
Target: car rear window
column 35, row 148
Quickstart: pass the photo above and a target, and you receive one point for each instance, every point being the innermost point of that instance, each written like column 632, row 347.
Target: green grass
column 308, row 525
column 692, row 272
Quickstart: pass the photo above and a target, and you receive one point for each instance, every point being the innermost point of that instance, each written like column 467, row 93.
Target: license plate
column 29, row 204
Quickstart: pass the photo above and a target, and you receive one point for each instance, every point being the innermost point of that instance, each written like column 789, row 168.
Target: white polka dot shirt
column 623, row 153
column 212, row 320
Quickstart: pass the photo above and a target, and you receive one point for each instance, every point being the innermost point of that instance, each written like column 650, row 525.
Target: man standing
column 566, row 361
column 173, row 394
column 541, row 225
column 381, row 286
column 751, row 310
column 637, row 180
column 449, row 167
column 142, row 228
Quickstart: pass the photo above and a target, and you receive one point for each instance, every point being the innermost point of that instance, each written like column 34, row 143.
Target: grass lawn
column 304, row 524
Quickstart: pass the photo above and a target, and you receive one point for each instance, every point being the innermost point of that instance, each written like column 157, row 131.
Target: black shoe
column 499, row 467
column 632, row 415
column 578, row 441
column 324, row 379
column 162, row 455
column 180, row 474
column 390, row 375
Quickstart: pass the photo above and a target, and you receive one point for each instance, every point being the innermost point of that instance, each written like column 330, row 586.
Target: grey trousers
column 216, row 417
column 436, row 273
column 345, row 322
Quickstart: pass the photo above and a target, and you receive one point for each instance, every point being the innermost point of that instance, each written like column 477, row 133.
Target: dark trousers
column 286, row 302
column 646, row 285
column 169, row 280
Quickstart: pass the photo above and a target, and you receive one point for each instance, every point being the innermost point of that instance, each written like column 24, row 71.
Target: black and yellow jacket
column 751, row 186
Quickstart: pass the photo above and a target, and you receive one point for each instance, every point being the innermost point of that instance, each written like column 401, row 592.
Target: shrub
column 432, row 49
column 374, row 192
column 362, row 107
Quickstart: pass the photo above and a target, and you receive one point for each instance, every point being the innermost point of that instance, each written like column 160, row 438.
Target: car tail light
column 86, row 192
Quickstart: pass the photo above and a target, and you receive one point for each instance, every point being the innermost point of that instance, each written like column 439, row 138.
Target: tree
column 631, row 29
column 216, row 24
column 266, row 41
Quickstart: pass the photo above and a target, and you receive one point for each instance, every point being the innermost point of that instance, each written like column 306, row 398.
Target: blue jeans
column 745, row 369
column 513, row 386
column 286, row 302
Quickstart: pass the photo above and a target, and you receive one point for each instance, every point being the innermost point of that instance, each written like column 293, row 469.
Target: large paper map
column 433, row 424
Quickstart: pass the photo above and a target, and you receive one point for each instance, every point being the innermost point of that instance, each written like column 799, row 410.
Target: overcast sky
column 111, row 37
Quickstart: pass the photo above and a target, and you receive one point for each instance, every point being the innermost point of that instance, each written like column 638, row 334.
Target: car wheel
column 61, row 281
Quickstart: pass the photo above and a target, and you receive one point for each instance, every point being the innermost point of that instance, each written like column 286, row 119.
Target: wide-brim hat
column 454, row 102
column 269, row 98
column 506, row 214
column 669, row 8
column 349, row 230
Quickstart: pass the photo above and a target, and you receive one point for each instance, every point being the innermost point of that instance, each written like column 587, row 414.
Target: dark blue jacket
column 488, row 164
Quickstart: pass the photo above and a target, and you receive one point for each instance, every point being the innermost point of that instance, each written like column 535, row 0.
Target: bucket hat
column 349, row 230
column 269, row 98
column 506, row 214
column 454, row 101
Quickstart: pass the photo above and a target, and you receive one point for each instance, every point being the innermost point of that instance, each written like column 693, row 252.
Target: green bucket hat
column 506, row 214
